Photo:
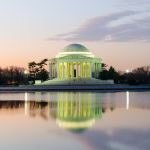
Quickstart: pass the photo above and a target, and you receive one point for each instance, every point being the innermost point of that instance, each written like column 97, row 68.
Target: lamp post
column 26, row 76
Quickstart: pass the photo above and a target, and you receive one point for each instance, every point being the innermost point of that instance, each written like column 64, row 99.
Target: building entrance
column 75, row 73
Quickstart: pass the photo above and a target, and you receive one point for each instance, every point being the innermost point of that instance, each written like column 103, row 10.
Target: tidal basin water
column 75, row 121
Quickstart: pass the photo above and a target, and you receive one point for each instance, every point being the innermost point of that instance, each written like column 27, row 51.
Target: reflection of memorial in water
column 51, row 102
column 75, row 111
column 71, row 110
column 78, row 111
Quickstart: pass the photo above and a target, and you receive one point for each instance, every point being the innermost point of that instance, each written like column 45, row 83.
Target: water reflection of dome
column 78, row 126
column 77, row 111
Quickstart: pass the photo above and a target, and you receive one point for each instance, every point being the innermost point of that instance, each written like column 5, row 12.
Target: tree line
column 12, row 76
column 36, row 71
column 140, row 75
column 19, row 76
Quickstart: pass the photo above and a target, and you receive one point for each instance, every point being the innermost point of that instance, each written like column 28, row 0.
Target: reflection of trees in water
column 11, row 104
column 76, row 104
column 108, row 106
column 73, row 111
column 35, row 107
column 43, row 109
column 70, row 105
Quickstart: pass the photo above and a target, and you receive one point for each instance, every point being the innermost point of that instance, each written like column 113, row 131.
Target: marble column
column 69, row 73
column 86, row 70
column 66, row 75
column 73, row 70
column 57, row 73
column 71, row 66
column 83, row 69
column 77, row 72
column 52, row 71
column 89, row 74
column 70, row 70
column 95, row 69
column 59, row 70
column 90, row 70
column 62, row 70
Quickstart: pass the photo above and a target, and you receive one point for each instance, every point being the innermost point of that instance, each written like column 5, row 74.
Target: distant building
column 75, row 61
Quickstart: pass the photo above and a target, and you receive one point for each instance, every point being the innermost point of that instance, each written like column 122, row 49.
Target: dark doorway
column 75, row 73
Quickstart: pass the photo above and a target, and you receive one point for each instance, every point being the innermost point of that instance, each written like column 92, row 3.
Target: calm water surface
column 75, row 121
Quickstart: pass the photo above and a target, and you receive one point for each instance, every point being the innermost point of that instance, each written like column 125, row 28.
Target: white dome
column 75, row 48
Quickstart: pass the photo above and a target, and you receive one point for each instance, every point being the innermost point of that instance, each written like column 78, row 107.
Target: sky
column 118, row 31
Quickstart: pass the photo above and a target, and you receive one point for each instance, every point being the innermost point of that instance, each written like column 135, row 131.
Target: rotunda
column 75, row 61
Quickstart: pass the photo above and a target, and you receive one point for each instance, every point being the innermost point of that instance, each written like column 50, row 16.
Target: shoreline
column 115, row 87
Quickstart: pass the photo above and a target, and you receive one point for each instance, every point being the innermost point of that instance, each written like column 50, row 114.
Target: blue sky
column 35, row 29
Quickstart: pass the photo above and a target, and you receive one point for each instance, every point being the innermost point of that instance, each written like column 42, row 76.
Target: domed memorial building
column 74, row 64
column 75, row 61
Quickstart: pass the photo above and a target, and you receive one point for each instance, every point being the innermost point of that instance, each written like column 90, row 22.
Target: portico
column 74, row 70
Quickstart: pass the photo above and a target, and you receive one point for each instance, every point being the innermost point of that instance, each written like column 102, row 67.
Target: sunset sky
column 118, row 31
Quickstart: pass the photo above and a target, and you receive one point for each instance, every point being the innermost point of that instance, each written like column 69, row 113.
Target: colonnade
column 52, row 69
column 97, row 68
column 74, row 70
column 68, row 70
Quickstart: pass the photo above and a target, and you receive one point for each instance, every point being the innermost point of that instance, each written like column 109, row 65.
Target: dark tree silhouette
column 12, row 76
column 139, row 75
column 108, row 73
column 37, row 71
